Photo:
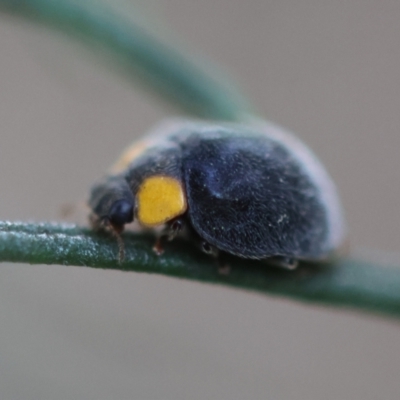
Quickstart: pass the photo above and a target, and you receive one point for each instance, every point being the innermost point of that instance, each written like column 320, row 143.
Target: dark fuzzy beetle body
column 255, row 192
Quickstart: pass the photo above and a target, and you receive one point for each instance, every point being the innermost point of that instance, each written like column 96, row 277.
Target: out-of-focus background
column 326, row 70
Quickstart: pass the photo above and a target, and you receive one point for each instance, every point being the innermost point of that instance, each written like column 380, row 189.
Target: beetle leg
column 104, row 224
column 170, row 232
column 289, row 263
column 158, row 247
column 112, row 204
column 223, row 267
column 121, row 246
column 174, row 228
column 209, row 249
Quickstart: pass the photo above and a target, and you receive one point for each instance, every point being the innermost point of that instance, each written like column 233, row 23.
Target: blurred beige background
column 328, row 71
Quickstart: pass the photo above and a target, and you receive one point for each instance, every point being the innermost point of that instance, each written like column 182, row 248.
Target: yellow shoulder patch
column 160, row 199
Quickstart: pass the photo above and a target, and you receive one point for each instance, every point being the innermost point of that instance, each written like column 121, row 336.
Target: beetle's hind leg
column 284, row 262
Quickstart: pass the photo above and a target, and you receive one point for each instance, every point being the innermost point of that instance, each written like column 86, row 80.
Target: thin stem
column 347, row 283
column 198, row 91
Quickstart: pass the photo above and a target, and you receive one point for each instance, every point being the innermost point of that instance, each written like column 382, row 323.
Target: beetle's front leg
column 112, row 203
column 170, row 232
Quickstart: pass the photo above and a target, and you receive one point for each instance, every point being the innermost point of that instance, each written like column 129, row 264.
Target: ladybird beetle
column 254, row 191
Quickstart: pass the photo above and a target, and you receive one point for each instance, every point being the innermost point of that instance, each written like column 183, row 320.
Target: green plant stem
column 177, row 77
column 345, row 283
